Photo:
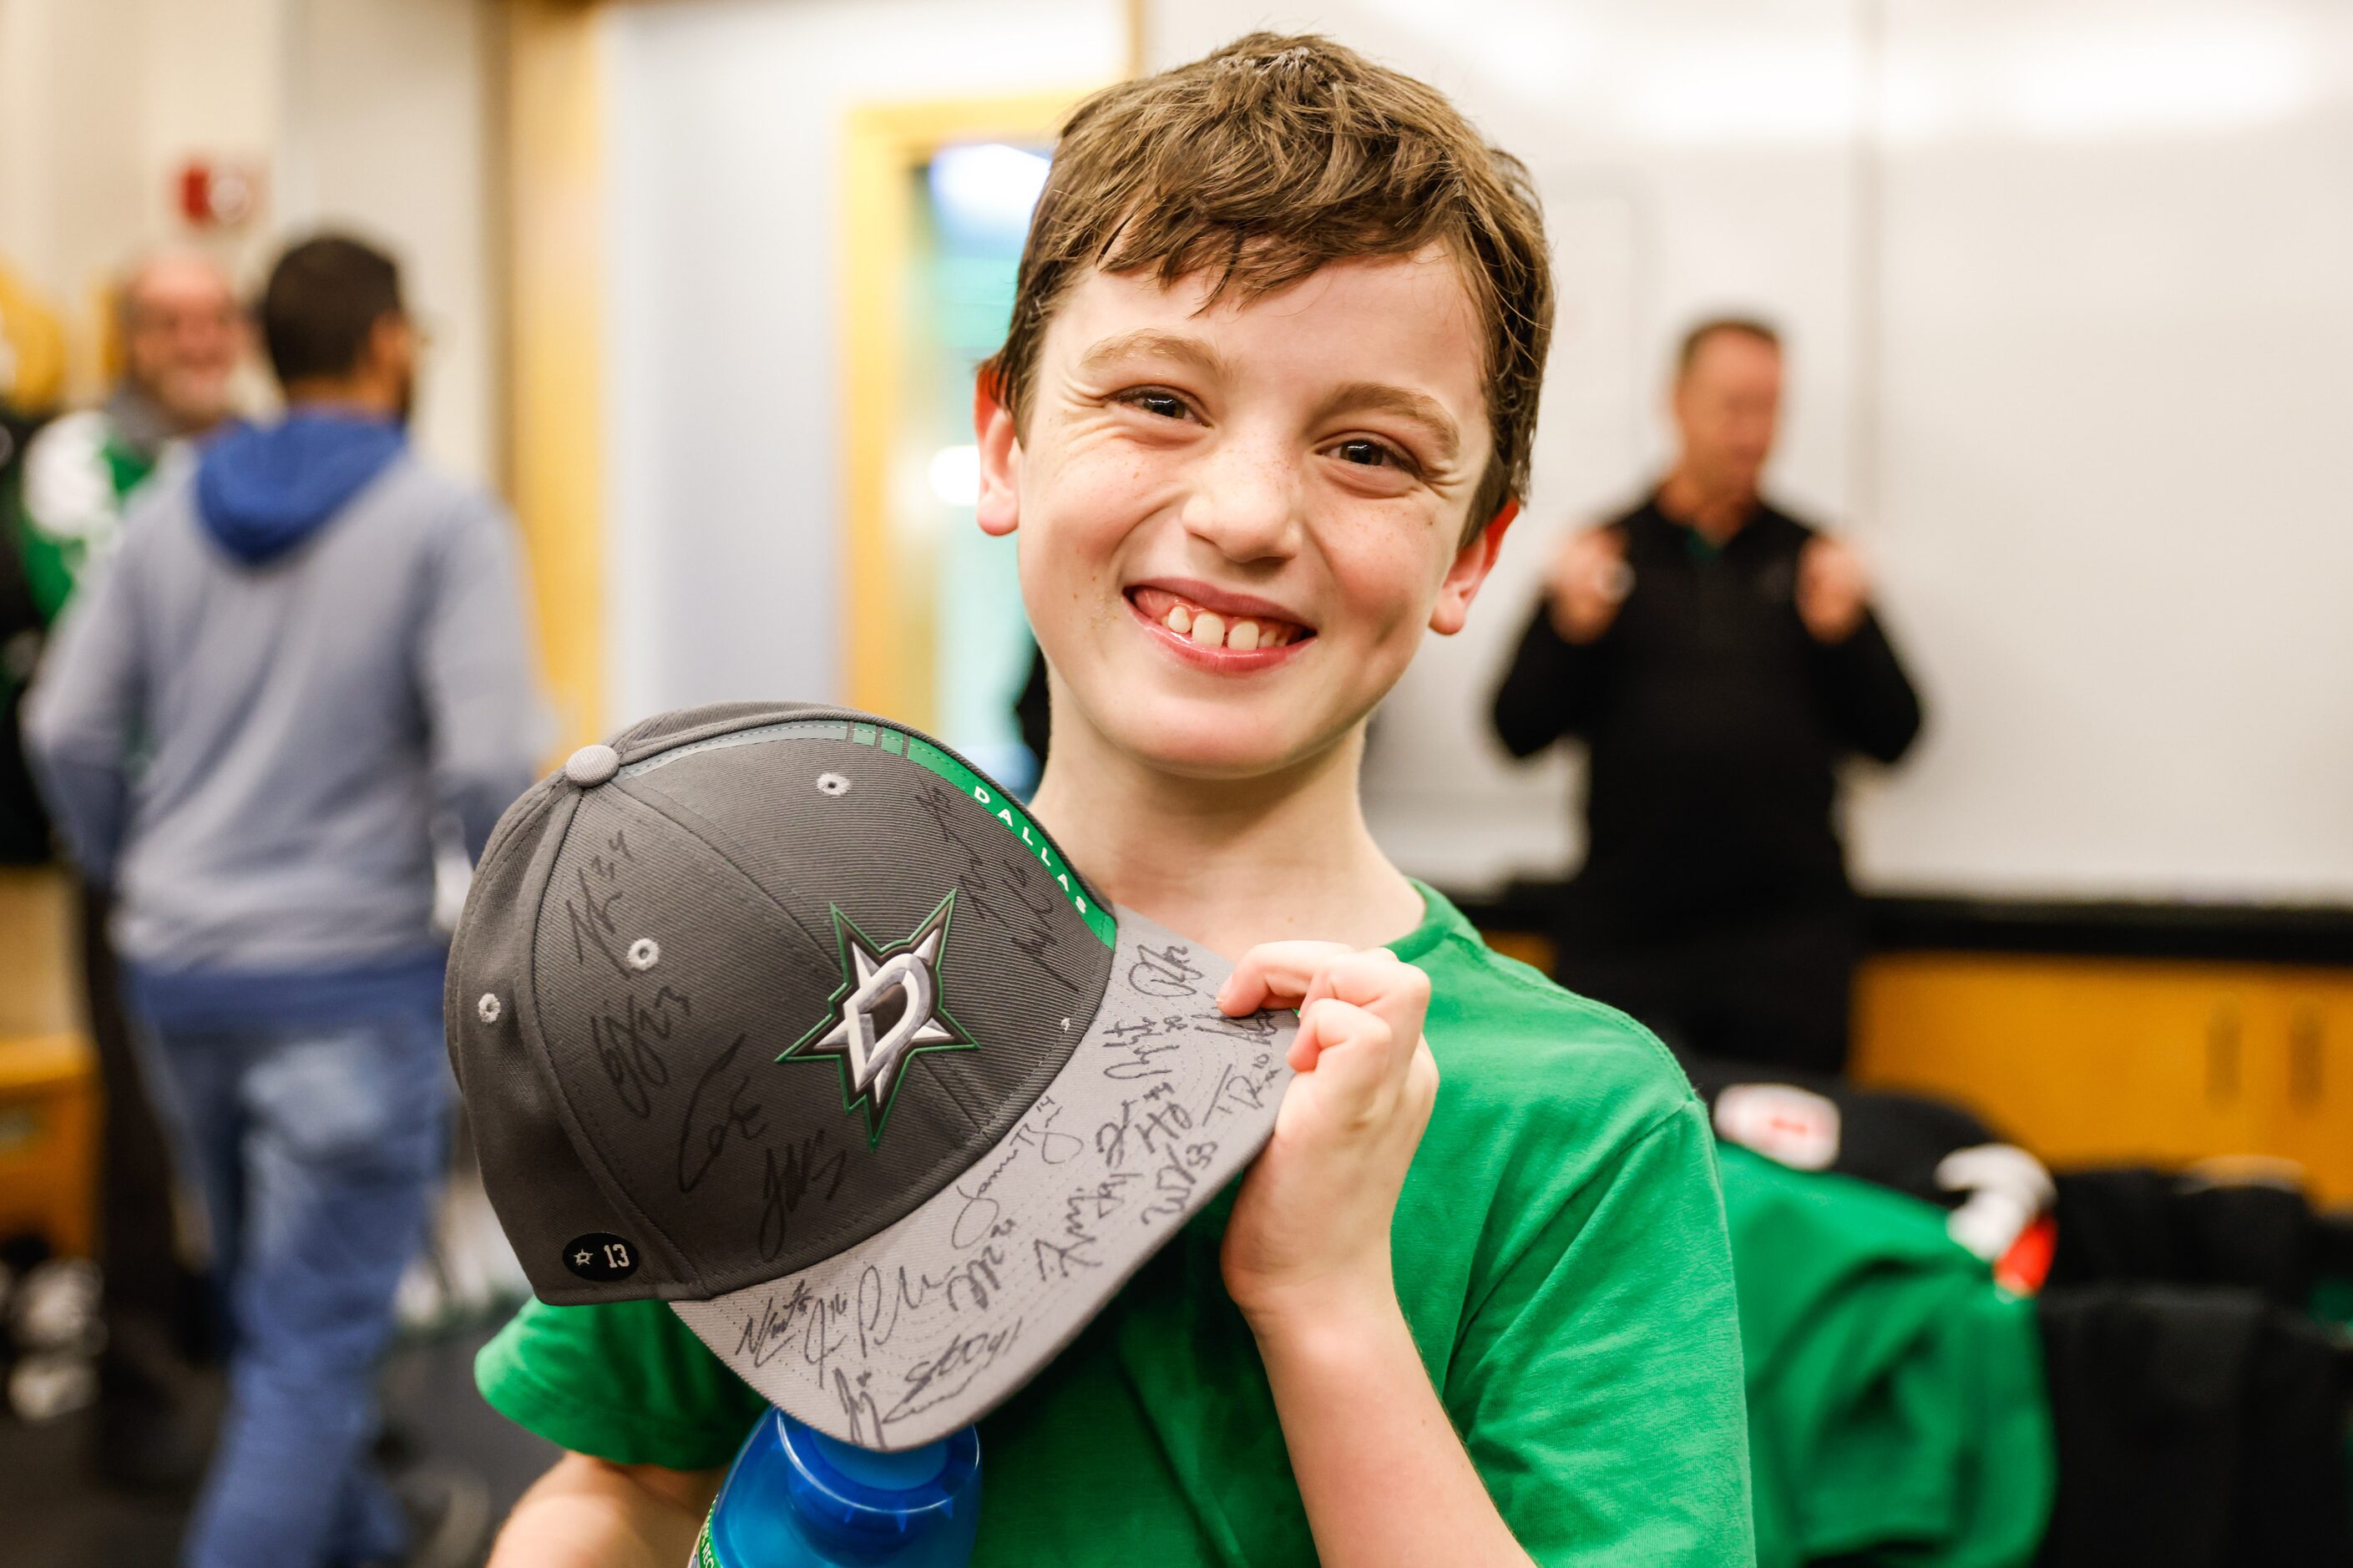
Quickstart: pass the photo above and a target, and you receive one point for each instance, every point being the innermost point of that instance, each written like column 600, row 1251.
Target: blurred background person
column 1719, row 659
column 182, row 337
column 304, row 652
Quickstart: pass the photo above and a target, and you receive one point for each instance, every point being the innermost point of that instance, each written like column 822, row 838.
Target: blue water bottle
column 798, row 1499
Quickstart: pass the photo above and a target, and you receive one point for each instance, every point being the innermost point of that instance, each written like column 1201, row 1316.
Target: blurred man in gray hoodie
column 302, row 656
column 184, row 334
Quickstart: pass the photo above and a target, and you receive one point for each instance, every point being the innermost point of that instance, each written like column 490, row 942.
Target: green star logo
column 890, row 1008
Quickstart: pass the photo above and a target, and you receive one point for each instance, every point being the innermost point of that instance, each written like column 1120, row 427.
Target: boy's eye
column 1167, row 405
column 1368, row 454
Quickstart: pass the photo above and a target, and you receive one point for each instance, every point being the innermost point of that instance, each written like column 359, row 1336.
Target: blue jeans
column 317, row 1149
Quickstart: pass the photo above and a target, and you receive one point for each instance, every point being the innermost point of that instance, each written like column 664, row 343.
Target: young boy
column 1262, row 415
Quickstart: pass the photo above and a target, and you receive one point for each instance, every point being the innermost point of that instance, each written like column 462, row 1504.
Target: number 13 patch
column 600, row 1258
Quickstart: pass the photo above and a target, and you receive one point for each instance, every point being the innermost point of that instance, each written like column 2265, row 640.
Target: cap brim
column 926, row 1326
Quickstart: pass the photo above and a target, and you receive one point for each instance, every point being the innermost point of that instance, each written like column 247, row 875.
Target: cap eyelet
column 591, row 765
column 644, row 953
column 489, row 1008
column 834, row 785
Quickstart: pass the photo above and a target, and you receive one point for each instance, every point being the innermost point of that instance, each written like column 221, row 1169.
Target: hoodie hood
column 262, row 491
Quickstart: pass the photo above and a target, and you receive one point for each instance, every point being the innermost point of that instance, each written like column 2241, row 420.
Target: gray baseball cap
column 789, row 1017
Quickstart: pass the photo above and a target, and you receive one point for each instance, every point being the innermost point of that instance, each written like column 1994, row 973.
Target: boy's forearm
column 1384, row 1476
column 587, row 1513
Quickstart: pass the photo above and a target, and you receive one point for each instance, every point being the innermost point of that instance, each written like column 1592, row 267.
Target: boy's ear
column 999, row 506
column 1469, row 572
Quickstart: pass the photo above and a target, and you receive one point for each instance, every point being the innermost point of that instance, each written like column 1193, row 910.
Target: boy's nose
column 1245, row 502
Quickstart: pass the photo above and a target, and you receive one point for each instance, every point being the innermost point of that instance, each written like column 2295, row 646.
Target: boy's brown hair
column 1268, row 159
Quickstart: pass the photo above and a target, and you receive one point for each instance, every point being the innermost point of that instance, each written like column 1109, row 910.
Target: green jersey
column 1560, row 1256
column 77, row 474
column 1895, row 1399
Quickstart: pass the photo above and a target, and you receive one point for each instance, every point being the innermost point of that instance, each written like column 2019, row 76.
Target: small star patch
column 600, row 1258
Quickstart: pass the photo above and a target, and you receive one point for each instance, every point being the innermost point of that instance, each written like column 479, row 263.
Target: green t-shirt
column 1895, row 1398
column 1559, row 1253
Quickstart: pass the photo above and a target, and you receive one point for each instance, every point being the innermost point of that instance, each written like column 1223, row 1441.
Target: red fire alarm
column 219, row 194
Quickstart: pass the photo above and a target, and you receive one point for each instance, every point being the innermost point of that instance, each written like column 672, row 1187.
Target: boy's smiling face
column 1236, row 521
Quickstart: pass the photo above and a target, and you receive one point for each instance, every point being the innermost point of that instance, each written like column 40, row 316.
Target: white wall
column 724, row 441
column 2119, row 247
column 368, row 114
column 2070, row 293
column 100, row 102
column 389, row 132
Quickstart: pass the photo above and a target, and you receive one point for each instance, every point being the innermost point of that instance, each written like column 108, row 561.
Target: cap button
column 591, row 765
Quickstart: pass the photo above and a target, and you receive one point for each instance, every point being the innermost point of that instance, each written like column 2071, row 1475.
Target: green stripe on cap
column 1026, row 834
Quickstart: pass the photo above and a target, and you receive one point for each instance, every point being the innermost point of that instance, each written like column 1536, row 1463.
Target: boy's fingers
column 1275, row 974
column 1306, row 974
column 1386, row 985
column 1347, row 1049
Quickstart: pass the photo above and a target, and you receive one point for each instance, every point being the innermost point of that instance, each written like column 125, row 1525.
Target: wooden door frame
column 552, row 112
column 888, row 655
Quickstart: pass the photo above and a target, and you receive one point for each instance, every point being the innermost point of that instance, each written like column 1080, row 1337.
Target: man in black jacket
column 1718, row 658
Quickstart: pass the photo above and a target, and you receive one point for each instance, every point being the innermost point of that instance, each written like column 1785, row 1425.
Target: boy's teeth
column 1208, row 629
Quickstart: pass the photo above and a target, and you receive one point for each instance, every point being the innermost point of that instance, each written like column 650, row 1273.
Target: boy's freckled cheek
column 1384, row 571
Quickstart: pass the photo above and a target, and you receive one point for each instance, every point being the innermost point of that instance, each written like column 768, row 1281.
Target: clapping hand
column 1833, row 590
column 1586, row 581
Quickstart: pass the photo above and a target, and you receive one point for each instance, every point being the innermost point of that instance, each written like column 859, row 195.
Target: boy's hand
column 1309, row 1239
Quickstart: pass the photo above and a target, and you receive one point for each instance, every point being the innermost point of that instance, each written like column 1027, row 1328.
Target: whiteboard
column 2115, row 414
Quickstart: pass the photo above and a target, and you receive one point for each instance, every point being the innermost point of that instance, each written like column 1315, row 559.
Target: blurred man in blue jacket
column 303, row 656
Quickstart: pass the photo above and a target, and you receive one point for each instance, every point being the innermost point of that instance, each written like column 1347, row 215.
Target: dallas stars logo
column 887, row 1009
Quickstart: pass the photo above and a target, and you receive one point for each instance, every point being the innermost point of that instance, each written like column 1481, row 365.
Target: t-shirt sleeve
column 625, row 1382
column 1598, row 1383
